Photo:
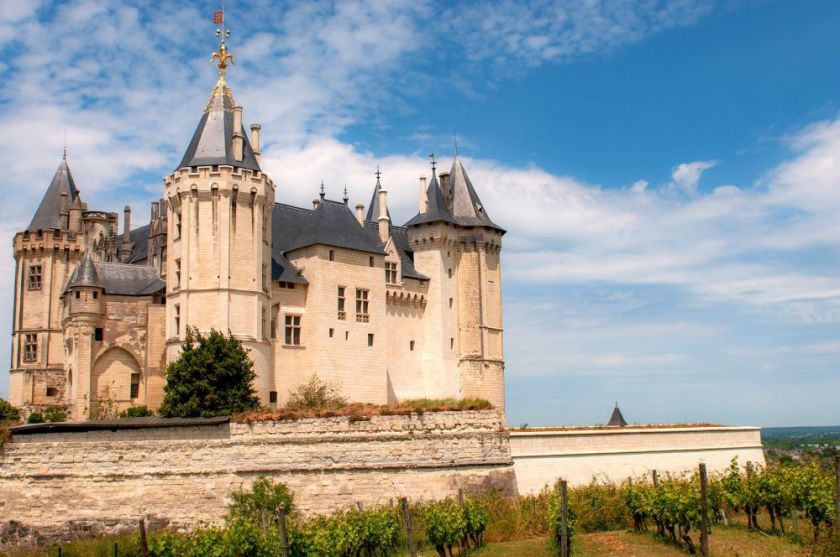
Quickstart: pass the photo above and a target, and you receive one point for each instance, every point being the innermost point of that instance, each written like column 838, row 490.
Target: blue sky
column 668, row 172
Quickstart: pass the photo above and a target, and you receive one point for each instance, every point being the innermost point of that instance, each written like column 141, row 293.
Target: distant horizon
column 668, row 173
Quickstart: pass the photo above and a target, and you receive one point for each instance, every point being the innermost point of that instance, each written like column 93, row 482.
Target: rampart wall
column 183, row 476
column 542, row 455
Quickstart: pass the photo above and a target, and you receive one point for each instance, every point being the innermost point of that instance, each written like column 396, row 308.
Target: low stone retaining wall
column 63, row 481
column 542, row 455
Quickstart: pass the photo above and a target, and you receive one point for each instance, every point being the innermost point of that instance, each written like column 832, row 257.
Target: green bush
column 35, row 418
column 213, row 376
column 55, row 414
column 316, row 394
column 136, row 412
column 262, row 503
column 445, row 525
column 599, row 506
column 8, row 413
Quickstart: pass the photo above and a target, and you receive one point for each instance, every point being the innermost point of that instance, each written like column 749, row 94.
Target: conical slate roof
column 617, row 419
column 212, row 142
column 48, row 214
column 85, row 274
column 466, row 206
column 373, row 208
column 436, row 211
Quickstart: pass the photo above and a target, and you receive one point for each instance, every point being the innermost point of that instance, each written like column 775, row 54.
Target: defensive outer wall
column 62, row 479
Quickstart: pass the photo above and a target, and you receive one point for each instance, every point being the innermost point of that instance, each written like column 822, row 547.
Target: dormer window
column 391, row 273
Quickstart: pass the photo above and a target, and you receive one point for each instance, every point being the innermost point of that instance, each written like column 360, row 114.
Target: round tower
column 219, row 233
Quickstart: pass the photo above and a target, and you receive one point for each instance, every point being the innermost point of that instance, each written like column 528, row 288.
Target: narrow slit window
column 135, row 385
column 370, row 339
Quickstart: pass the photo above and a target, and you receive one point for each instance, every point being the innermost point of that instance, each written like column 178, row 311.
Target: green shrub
column 136, row 412
column 55, row 414
column 599, row 506
column 316, row 395
column 444, row 525
column 8, row 413
column 262, row 503
column 476, row 518
column 35, row 418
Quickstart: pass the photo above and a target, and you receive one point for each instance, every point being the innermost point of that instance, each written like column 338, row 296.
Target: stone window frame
column 391, row 273
column 292, row 329
column 341, row 292
column 30, row 347
column 33, row 278
column 134, row 387
column 362, row 305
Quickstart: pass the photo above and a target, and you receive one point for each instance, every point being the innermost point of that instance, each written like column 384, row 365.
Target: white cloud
column 687, row 175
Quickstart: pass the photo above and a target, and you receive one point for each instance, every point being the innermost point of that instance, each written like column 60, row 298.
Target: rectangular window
column 370, row 339
column 263, row 325
column 177, row 273
column 177, row 308
column 332, row 332
column 52, row 391
column 163, row 261
column 411, row 345
column 135, row 385
column 272, row 397
column 362, row 306
column 332, row 255
column 78, row 295
column 391, row 273
column 30, row 348
column 98, row 334
column 264, row 276
column 293, row 330
column 370, row 261
column 450, row 302
column 177, row 216
column 34, row 282
column 449, row 271
column 451, row 343
column 341, row 311
column 287, row 285
column 95, row 294
column 274, row 311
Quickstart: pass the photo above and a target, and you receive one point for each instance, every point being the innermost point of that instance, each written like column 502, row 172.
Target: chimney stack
column 75, row 223
column 255, row 140
column 446, row 188
column 126, row 246
column 155, row 210
column 315, row 203
column 424, row 200
column 360, row 213
column 238, row 140
column 384, row 221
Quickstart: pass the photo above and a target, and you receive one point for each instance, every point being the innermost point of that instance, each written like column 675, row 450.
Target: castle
column 387, row 312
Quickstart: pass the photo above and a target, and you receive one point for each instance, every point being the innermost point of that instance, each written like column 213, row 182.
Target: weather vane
column 221, row 56
column 377, row 174
column 434, row 162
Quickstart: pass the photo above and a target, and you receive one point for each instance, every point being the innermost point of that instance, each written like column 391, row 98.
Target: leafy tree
column 212, row 377
column 8, row 413
column 316, row 394
column 262, row 504
column 35, row 418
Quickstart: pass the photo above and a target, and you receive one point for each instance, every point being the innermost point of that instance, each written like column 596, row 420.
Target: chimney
column 360, row 213
column 445, row 187
column 65, row 215
column 126, row 247
column 255, row 140
column 155, row 210
column 238, row 140
column 424, row 200
column 315, row 203
column 75, row 223
column 384, row 221
column 162, row 209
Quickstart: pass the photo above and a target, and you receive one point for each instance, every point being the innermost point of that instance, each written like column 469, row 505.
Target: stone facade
column 542, row 455
column 184, row 476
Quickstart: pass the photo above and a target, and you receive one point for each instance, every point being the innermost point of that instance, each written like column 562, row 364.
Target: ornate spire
column 221, row 56
column 434, row 163
column 323, row 190
column 346, row 198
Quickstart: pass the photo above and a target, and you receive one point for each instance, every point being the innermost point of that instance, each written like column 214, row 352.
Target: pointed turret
column 49, row 213
column 373, row 208
column 466, row 206
column 220, row 137
column 617, row 419
column 84, row 275
column 436, row 209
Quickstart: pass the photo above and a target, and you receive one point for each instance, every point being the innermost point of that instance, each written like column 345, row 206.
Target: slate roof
column 212, row 142
column 48, row 215
column 84, row 274
column 331, row 224
column 373, row 208
column 283, row 270
column 140, row 238
column 437, row 210
column 616, row 419
column 400, row 236
column 466, row 206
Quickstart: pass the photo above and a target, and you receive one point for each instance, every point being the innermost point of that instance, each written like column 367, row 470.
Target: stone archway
column 114, row 374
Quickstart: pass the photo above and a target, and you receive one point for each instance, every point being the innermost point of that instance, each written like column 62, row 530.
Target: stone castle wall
column 184, row 476
column 541, row 456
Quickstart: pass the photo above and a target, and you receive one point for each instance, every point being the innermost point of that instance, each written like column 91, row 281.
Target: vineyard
column 796, row 502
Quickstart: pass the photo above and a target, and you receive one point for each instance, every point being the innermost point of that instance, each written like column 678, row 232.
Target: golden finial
column 222, row 56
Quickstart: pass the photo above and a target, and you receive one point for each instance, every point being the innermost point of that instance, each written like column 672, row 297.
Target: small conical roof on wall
column 85, row 274
column 373, row 208
column 48, row 215
column 617, row 419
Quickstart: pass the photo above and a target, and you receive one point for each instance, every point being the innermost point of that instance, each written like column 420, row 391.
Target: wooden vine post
column 144, row 544
column 409, row 528
column 564, row 520
column 655, row 478
column 704, row 511
column 284, row 533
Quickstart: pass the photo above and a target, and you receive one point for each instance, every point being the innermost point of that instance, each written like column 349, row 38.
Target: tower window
column 451, row 343
column 370, row 339
column 332, row 332
column 95, row 294
column 30, row 348
column 98, row 334
column 34, row 280
column 52, row 391
column 272, row 397
column 135, row 385
column 411, row 345
column 449, row 272
column 177, row 273
column 177, row 308
column 362, row 315
column 342, row 314
column 332, row 255
column 78, row 295
column 370, row 261
column 346, row 335
column 450, row 302
column 391, row 273
column 177, row 224
column 293, row 330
